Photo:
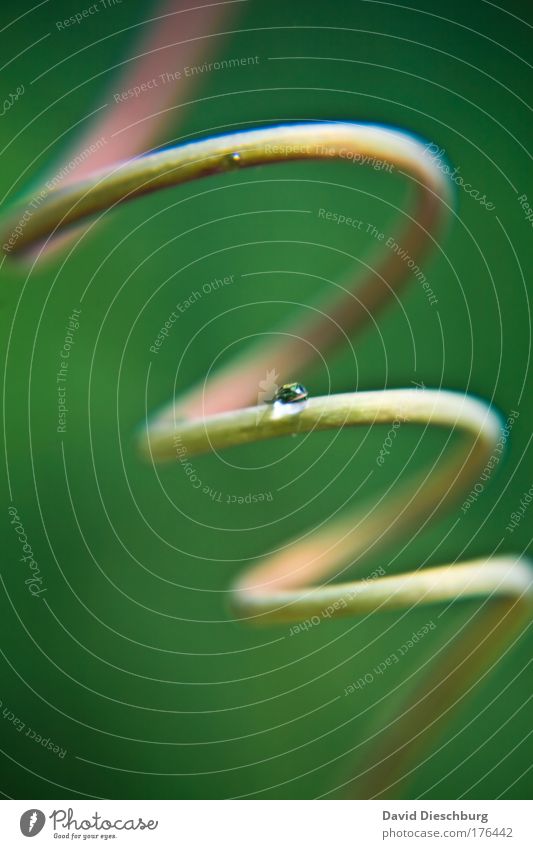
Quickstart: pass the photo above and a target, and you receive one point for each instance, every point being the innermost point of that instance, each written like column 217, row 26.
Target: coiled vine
column 296, row 583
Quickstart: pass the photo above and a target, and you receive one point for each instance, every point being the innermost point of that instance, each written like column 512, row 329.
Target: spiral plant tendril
column 289, row 585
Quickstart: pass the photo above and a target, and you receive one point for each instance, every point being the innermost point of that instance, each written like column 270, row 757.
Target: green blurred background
column 133, row 664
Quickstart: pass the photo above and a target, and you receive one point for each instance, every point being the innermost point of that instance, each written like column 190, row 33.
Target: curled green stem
column 217, row 415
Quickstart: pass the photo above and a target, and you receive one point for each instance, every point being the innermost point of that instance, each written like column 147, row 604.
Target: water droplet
column 230, row 162
column 290, row 393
